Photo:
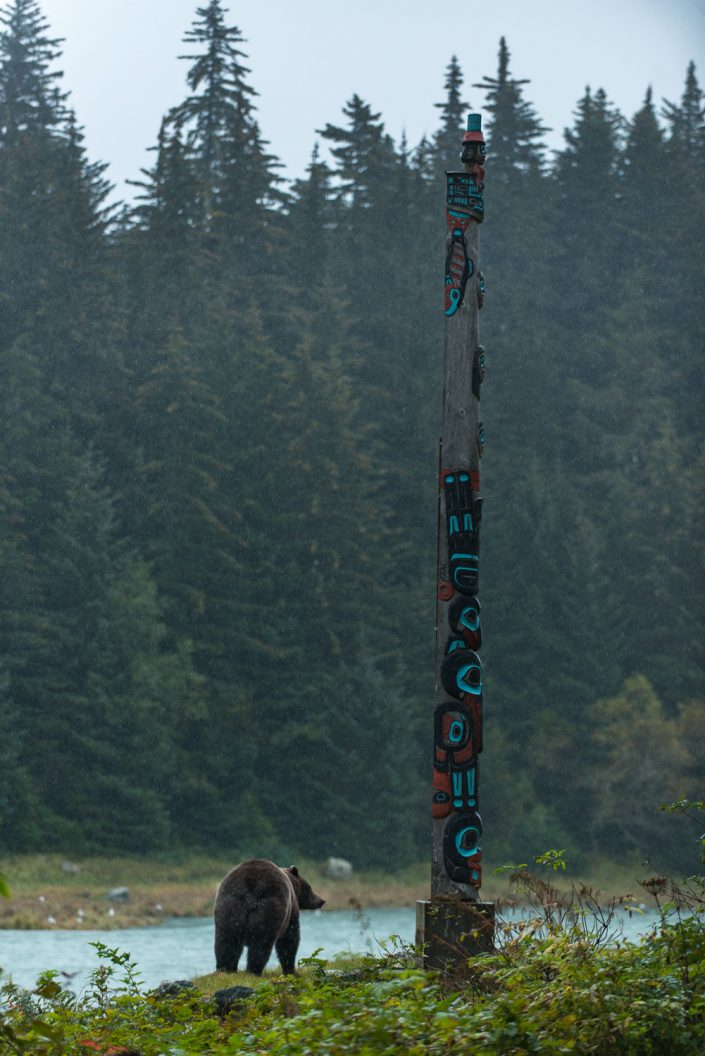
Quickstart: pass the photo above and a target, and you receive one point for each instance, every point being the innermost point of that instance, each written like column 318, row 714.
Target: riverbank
column 49, row 891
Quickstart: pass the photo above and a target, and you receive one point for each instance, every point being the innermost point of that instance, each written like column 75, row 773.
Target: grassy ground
column 208, row 984
column 44, row 895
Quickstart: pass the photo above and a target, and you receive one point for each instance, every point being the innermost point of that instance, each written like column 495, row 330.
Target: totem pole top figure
column 474, row 152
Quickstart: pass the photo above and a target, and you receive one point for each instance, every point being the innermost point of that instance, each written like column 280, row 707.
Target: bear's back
column 257, row 885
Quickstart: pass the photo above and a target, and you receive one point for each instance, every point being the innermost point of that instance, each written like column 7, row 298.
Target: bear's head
column 305, row 895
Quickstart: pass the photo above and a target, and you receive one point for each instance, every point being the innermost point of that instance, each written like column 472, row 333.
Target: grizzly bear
column 257, row 905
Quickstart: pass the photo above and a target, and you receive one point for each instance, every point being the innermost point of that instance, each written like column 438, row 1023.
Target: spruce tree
column 514, row 131
column 54, row 270
column 641, row 179
column 684, row 274
column 20, row 811
column 235, row 174
column 311, row 218
column 448, row 137
column 366, row 190
column 30, row 96
column 355, row 741
column 587, row 173
column 515, row 249
column 391, row 310
column 94, row 735
column 686, row 120
column 363, row 154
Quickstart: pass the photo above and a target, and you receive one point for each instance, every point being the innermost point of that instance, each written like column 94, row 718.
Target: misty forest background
column 218, row 466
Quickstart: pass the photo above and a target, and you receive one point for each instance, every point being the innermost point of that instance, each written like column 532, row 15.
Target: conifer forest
column 218, row 471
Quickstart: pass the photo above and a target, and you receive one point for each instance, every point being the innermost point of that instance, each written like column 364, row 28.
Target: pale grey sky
column 308, row 57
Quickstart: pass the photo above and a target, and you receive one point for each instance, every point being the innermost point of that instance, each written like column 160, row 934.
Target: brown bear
column 257, row 905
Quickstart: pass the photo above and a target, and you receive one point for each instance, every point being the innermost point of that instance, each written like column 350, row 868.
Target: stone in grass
column 118, row 894
column 226, row 999
column 337, row 869
column 172, row 989
column 71, row 868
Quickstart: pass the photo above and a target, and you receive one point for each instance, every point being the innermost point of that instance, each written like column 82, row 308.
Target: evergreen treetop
column 217, row 79
column 515, row 131
column 362, row 150
column 596, row 135
column 221, row 133
column 686, row 121
column 30, row 97
column 448, row 137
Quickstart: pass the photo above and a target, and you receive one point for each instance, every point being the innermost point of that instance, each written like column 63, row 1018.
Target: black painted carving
column 461, row 670
column 464, row 619
column 461, row 847
column 459, row 265
column 463, row 516
column 455, row 764
column 464, row 190
column 478, row 370
column 473, row 154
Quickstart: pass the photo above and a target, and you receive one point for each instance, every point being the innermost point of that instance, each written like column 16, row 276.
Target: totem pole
column 454, row 923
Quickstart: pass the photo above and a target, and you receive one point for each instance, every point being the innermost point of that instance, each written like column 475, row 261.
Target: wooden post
column 455, row 924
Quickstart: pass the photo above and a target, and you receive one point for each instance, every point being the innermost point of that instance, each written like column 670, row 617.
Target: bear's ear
column 293, row 870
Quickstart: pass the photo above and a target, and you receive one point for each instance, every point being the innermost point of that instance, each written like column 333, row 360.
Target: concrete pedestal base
column 450, row 931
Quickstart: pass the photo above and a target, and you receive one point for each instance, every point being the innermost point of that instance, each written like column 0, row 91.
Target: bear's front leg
column 287, row 947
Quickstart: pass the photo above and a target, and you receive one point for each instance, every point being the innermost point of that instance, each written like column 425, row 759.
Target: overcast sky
column 308, row 57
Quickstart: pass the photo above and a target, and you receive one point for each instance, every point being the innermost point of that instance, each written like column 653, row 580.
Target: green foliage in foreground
column 552, row 988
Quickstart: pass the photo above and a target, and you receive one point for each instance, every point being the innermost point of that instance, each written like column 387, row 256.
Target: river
column 179, row 949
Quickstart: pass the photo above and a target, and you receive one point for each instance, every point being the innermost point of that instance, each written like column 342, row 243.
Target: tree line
column 218, row 471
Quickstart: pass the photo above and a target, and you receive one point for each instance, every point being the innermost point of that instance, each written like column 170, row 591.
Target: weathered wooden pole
column 454, row 923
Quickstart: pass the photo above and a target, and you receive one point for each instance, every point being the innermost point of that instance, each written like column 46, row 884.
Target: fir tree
column 235, row 174
column 684, row 273
column 30, row 97
column 515, row 132
column 53, row 220
column 363, row 153
column 20, row 810
column 585, row 285
column 642, row 162
column 686, row 122
column 365, row 184
column 353, row 741
column 512, row 238
column 102, row 744
column 311, row 218
column 447, row 141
